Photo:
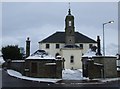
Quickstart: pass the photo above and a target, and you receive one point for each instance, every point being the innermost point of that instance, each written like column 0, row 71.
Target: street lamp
column 104, row 35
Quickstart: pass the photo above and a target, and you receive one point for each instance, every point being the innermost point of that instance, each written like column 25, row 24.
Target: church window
column 57, row 46
column 72, row 59
column 81, row 46
column 57, row 54
column 70, row 23
column 90, row 45
column 47, row 46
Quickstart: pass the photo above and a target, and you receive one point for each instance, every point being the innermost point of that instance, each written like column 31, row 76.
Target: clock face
column 70, row 23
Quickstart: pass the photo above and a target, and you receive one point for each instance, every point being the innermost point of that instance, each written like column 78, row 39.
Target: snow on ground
column 1, row 59
column 109, row 79
column 69, row 74
column 19, row 75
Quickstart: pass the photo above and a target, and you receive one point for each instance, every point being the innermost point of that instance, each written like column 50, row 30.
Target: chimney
column 27, row 47
column 98, row 46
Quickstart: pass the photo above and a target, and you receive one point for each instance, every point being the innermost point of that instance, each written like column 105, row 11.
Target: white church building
column 70, row 45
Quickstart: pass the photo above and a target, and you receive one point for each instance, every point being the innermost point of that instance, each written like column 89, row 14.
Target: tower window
column 57, row 46
column 81, row 46
column 72, row 59
column 70, row 23
column 47, row 46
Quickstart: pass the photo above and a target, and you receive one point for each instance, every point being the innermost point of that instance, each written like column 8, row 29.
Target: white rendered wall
column 118, row 62
column 85, row 46
column 52, row 50
column 67, row 53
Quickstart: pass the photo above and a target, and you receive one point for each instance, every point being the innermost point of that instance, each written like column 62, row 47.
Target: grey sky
column 38, row 20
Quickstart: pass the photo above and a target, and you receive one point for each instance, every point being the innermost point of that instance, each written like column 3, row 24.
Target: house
column 70, row 45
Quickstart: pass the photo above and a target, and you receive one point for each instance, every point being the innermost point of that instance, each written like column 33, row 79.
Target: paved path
column 11, row 82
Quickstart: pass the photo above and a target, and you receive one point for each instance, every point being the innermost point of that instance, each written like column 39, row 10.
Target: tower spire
column 69, row 12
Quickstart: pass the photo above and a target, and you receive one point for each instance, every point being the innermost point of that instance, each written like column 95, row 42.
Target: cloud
column 111, row 35
column 39, row 20
column 10, row 40
column 111, row 49
column 36, row 34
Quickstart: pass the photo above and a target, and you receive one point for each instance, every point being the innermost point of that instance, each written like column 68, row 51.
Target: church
column 69, row 45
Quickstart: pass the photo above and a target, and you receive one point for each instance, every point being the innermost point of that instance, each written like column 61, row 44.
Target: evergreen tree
column 11, row 52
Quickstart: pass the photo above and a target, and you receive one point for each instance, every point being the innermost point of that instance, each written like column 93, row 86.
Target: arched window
column 57, row 54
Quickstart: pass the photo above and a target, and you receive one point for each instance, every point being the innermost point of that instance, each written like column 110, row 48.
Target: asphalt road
column 9, row 82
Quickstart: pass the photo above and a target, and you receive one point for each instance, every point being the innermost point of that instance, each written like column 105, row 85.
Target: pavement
column 13, row 83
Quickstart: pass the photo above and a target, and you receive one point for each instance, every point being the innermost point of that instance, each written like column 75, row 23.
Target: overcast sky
column 38, row 20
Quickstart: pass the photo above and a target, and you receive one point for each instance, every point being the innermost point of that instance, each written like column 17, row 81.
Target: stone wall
column 109, row 65
column 45, row 68
column 99, row 67
column 17, row 65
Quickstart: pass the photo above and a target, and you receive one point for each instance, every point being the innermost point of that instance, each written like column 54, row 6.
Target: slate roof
column 59, row 37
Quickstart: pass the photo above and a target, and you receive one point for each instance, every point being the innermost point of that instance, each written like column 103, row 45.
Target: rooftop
column 40, row 54
column 59, row 37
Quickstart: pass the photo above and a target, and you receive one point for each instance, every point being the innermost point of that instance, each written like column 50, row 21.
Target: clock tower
column 69, row 29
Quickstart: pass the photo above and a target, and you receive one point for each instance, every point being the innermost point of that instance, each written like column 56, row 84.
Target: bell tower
column 69, row 29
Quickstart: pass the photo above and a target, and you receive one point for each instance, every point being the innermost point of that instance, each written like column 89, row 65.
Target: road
column 9, row 82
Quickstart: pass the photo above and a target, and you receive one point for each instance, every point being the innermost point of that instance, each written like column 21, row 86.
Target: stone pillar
column 58, row 68
column 27, row 47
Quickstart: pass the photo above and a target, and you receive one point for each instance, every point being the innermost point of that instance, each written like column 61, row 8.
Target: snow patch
column 89, row 53
column 1, row 59
column 14, row 73
column 18, row 60
column 69, row 74
column 40, row 54
column 68, row 71
column 19, row 75
column 39, row 57
column 98, row 64
column 109, row 80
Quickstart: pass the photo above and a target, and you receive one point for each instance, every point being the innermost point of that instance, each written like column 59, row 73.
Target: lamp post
column 104, row 36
